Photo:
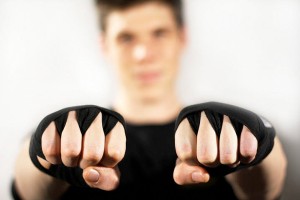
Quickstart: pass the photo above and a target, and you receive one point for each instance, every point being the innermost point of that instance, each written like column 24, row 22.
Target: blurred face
column 144, row 44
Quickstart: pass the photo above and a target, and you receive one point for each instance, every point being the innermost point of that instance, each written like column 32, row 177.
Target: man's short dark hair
column 107, row 6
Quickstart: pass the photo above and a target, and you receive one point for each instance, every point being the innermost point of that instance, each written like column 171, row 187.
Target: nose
column 139, row 52
column 142, row 53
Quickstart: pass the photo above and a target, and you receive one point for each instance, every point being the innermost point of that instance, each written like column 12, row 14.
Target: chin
column 152, row 95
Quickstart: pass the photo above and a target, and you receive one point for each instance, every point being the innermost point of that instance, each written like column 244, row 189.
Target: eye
column 160, row 33
column 126, row 38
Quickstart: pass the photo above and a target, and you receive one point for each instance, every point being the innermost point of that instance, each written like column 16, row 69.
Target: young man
column 146, row 156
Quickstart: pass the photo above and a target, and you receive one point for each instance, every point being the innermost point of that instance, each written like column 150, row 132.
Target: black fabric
column 14, row 194
column 261, row 129
column 85, row 116
column 147, row 170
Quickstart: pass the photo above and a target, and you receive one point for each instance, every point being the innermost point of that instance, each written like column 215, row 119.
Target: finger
column 104, row 178
column 115, row 146
column 93, row 143
column 248, row 146
column 185, row 142
column 207, row 143
column 189, row 173
column 71, row 141
column 228, row 143
column 51, row 144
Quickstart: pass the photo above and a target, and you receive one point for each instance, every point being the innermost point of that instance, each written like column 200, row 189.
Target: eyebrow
column 164, row 29
column 124, row 32
column 159, row 27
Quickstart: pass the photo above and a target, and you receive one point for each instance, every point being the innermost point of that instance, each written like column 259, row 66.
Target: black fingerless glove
column 260, row 127
column 85, row 116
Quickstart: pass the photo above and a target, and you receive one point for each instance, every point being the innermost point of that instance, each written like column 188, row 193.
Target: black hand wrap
column 261, row 129
column 85, row 116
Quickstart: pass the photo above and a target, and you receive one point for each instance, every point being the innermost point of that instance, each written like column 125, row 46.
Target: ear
column 103, row 45
column 183, row 36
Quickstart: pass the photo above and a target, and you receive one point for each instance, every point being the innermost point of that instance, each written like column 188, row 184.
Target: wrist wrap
column 85, row 116
column 260, row 128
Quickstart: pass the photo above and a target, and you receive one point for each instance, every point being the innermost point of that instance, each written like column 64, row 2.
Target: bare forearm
column 33, row 184
column 264, row 181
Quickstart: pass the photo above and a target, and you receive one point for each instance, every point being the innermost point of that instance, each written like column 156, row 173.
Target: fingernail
column 199, row 177
column 93, row 176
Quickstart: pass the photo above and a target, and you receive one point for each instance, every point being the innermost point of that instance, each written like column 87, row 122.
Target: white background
column 241, row 52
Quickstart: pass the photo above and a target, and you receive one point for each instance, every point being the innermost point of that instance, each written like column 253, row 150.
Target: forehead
column 141, row 17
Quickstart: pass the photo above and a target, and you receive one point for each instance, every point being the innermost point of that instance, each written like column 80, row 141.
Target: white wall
column 241, row 52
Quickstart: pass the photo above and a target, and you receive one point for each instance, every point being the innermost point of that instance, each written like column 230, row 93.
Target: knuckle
column 248, row 153
column 70, row 152
column 91, row 157
column 228, row 159
column 53, row 159
column 185, row 152
column 206, row 159
column 50, row 152
column 115, row 154
column 70, row 162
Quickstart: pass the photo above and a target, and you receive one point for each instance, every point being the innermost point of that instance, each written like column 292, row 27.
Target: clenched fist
column 217, row 139
column 81, row 145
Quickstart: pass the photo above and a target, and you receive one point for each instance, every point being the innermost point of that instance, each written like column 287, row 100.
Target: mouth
column 148, row 77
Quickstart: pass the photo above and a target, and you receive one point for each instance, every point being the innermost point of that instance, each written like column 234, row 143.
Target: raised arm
column 264, row 181
column 215, row 139
column 70, row 147
column 31, row 183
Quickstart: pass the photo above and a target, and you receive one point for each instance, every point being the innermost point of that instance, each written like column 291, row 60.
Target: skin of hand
column 209, row 150
column 263, row 181
column 97, row 154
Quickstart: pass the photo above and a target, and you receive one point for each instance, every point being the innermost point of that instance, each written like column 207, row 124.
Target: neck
column 141, row 111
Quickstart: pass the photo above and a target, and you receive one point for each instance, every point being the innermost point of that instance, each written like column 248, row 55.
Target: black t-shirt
column 147, row 170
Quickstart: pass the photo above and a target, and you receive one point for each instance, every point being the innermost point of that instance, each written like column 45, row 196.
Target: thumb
column 189, row 172
column 100, row 177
